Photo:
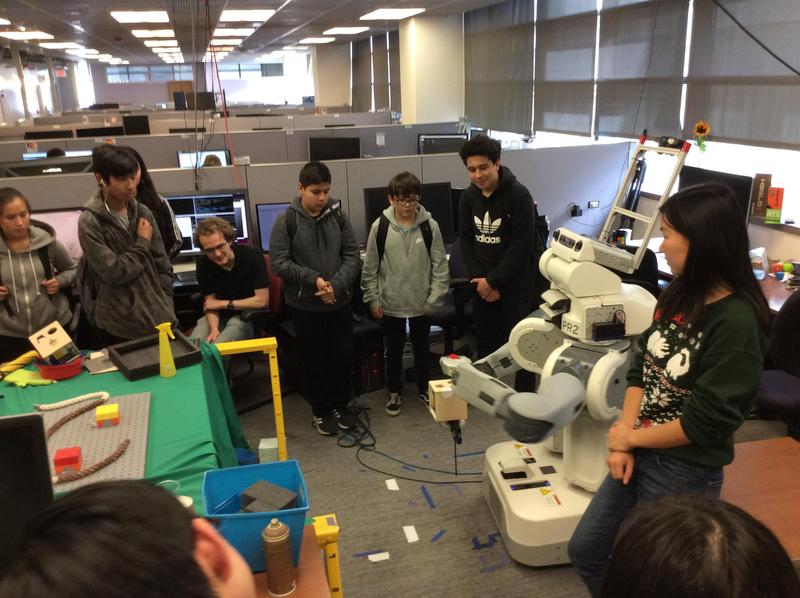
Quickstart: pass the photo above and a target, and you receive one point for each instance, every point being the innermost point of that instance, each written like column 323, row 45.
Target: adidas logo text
column 487, row 239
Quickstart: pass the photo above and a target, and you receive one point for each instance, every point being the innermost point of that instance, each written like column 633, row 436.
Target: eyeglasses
column 411, row 200
column 216, row 248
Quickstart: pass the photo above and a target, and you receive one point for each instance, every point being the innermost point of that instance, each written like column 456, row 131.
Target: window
column 138, row 74
column 251, row 71
column 162, row 72
column 143, row 74
column 272, row 69
column 117, row 74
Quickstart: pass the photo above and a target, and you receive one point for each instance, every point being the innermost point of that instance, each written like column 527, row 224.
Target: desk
column 188, row 435
column 762, row 480
column 309, row 574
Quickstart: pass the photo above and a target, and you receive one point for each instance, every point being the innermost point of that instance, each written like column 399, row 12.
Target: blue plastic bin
column 222, row 493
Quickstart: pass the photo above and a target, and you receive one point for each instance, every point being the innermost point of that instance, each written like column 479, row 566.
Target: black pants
column 395, row 330
column 325, row 351
column 493, row 324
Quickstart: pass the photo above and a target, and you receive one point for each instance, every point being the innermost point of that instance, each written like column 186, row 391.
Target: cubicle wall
column 556, row 177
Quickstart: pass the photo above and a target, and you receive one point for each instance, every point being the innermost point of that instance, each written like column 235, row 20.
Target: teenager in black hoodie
column 496, row 217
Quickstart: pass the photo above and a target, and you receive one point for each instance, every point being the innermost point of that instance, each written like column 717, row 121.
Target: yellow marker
column 165, row 359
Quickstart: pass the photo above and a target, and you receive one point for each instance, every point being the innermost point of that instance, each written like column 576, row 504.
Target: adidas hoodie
column 497, row 234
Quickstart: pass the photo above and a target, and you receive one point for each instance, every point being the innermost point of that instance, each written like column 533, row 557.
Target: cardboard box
column 774, row 205
column 443, row 404
column 758, row 197
column 54, row 344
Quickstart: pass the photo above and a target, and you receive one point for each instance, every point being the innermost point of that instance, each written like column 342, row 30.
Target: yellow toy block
column 107, row 415
column 443, row 404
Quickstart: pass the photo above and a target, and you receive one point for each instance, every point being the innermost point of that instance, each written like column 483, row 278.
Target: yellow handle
column 165, row 359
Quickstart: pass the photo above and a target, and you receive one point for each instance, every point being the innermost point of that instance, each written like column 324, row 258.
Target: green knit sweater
column 706, row 377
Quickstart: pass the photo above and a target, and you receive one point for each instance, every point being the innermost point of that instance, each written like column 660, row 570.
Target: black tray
column 139, row 358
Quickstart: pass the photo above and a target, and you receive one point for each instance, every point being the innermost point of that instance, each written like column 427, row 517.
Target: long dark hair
column 146, row 190
column 718, row 253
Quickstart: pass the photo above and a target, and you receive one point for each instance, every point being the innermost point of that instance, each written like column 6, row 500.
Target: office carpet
column 459, row 552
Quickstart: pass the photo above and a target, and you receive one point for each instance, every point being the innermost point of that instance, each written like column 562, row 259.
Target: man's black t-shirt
column 249, row 273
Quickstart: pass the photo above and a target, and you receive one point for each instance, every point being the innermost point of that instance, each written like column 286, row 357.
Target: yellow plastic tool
column 165, row 359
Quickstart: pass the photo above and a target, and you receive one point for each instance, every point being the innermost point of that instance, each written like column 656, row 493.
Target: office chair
column 778, row 392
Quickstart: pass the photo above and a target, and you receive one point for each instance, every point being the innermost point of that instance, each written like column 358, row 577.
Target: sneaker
column 423, row 398
column 345, row 418
column 394, row 404
column 326, row 425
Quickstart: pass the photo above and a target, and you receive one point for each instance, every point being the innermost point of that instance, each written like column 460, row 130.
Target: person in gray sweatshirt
column 404, row 279
column 313, row 250
column 35, row 269
column 124, row 276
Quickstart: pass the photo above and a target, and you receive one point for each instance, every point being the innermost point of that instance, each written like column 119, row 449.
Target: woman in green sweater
column 692, row 379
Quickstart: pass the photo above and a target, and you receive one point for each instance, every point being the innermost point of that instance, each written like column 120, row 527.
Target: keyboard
column 190, row 276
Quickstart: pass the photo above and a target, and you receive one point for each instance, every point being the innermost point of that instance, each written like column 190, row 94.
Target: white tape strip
column 378, row 556
column 411, row 533
column 392, row 484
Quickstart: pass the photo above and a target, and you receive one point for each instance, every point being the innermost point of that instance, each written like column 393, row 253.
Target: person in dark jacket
column 313, row 250
column 496, row 217
column 124, row 276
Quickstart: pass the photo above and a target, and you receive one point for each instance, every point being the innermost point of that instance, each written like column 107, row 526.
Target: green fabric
column 193, row 424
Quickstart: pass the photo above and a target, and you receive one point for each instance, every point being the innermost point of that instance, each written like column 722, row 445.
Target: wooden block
column 444, row 405
column 53, row 341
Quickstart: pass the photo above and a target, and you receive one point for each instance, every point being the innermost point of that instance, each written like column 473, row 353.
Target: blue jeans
column 654, row 476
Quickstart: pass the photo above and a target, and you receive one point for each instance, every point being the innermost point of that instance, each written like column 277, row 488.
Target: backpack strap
column 44, row 257
column 427, row 235
column 291, row 219
column 383, row 230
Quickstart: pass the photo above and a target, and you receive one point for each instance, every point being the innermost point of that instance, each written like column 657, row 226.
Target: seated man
column 124, row 538
column 232, row 278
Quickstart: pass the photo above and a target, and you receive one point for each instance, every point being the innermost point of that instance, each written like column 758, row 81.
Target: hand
column 3, row 292
column 619, row 437
column 484, row 289
column 325, row 291
column 494, row 295
column 212, row 335
column 377, row 312
column 51, row 286
column 144, row 229
column 620, row 466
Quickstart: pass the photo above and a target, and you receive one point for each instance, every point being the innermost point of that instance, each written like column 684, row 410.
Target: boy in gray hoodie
column 405, row 278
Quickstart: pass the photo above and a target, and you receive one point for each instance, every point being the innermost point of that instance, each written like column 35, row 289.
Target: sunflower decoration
column 702, row 129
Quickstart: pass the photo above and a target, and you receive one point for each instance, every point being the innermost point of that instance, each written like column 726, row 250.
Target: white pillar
column 57, row 107
column 15, row 57
column 330, row 64
column 432, row 69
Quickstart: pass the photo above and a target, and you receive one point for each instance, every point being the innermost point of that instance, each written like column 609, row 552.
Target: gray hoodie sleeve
column 159, row 253
column 280, row 256
column 64, row 265
column 369, row 271
column 345, row 277
column 111, row 268
column 440, row 272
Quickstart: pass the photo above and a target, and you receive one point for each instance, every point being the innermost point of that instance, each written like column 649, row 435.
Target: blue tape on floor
column 369, row 552
column 437, row 536
column 427, row 496
column 409, row 468
column 472, row 454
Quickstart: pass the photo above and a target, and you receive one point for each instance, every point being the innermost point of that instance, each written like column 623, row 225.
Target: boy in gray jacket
column 313, row 250
column 405, row 277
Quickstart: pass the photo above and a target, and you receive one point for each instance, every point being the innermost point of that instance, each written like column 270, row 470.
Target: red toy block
column 68, row 459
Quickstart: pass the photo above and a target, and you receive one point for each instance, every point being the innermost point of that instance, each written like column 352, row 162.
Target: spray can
column 165, row 359
column 278, row 558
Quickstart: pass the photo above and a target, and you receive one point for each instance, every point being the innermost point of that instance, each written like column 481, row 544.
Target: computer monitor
column 65, row 223
column 334, row 148
column 25, row 470
column 740, row 185
column 52, row 134
column 429, row 143
column 138, row 124
column 455, row 198
column 46, row 167
column 67, row 154
column 267, row 215
column 190, row 208
column 376, row 200
column 436, row 198
column 202, row 100
column 179, row 97
column 100, row 132
column 192, row 159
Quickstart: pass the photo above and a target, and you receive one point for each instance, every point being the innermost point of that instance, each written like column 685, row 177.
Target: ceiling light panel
column 5, row 22
column 317, row 40
column 61, row 46
column 243, row 16
column 226, row 41
column 391, row 14
column 160, row 43
column 140, row 16
column 244, row 32
column 345, row 30
column 25, row 35
column 153, row 33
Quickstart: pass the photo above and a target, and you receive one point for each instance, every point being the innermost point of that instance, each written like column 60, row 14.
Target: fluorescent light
column 83, row 52
column 153, row 33
column 222, row 48
column 25, row 35
column 160, row 43
column 294, row 48
column 104, row 57
column 317, row 40
column 226, row 41
column 61, row 46
column 244, row 32
column 240, row 16
column 5, row 22
column 345, row 30
column 140, row 16
column 391, row 14
column 166, row 50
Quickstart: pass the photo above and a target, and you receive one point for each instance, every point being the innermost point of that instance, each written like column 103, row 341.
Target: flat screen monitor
column 46, row 167
column 25, row 470
column 179, row 97
column 428, row 143
column 67, row 154
column 741, row 186
column 192, row 159
column 436, row 197
column 334, row 148
column 191, row 208
column 65, row 223
column 267, row 215
column 376, row 200
column 53, row 134
column 100, row 132
column 455, row 198
column 202, row 100
column 138, row 124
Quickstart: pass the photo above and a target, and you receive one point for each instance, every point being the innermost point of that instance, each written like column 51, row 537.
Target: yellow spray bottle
column 165, row 359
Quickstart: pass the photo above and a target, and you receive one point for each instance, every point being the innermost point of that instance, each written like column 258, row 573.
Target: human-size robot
column 580, row 342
